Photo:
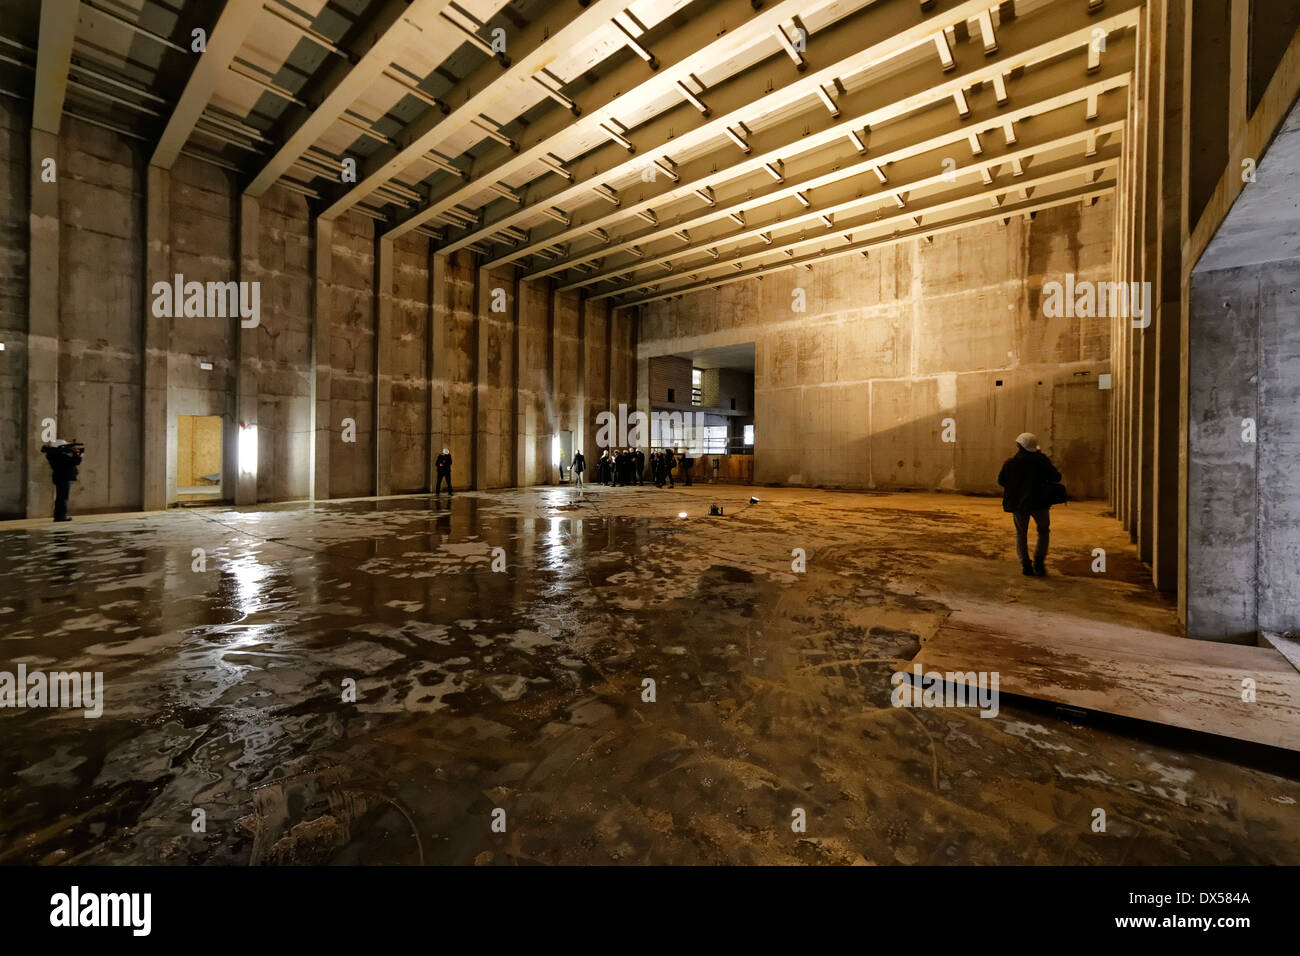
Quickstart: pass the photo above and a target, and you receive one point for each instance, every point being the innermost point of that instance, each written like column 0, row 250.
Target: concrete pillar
column 246, row 439
column 482, row 302
column 522, row 413
column 383, row 364
column 1150, row 51
column 590, row 451
column 156, row 336
column 1167, row 278
column 642, row 385
column 322, row 296
column 433, row 412
column 555, row 415
column 437, row 349
column 43, row 317
column 611, row 398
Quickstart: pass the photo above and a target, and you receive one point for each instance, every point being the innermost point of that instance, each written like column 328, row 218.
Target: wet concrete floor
column 516, row 696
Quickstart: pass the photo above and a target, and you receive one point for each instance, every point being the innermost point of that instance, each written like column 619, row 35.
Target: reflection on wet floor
column 500, row 645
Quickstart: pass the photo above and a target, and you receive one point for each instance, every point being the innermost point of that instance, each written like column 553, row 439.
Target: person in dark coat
column 640, row 466
column 1023, row 478
column 577, row 466
column 443, row 466
column 64, row 458
column 669, row 464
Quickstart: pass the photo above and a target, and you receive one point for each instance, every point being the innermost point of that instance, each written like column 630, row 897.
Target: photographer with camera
column 64, row 457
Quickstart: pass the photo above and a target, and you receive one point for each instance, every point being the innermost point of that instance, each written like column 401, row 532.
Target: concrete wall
column 722, row 386
column 402, row 350
column 1244, row 452
column 854, row 390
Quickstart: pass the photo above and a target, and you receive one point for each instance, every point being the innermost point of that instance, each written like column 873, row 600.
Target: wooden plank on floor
column 1106, row 667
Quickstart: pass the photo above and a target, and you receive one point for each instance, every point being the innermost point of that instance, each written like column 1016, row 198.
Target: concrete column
column 590, row 451
column 1167, row 277
column 1145, row 263
column 43, row 318
column 156, row 337
column 643, row 396
column 439, row 423
column 518, row 424
column 482, row 303
column 246, row 439
column 555, row 416
column 1133, row 208
column 322, row 296
column 611, row 399
column 383, row 364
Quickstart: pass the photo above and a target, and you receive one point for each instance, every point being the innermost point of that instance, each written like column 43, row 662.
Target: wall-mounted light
column 247, row 449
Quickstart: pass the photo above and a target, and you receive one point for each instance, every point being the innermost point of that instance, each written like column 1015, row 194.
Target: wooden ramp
column 1121, row 670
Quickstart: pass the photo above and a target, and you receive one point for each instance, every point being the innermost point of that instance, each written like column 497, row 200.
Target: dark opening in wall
column 1211, row 78
column 672, row 394
column 1272, row 24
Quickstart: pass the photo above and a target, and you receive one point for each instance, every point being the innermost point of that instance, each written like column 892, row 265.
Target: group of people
column 627, row 466
column 1030, row 482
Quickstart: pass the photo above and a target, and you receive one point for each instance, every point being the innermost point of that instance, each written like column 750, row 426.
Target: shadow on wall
column 837, row 441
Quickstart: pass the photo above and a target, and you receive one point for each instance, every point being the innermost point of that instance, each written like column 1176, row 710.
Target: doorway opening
column 716, row 429
column 565, row 454
column 198, row 457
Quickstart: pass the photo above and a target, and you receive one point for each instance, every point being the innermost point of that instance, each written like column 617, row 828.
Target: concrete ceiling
column 635, row 149
column 726, row 356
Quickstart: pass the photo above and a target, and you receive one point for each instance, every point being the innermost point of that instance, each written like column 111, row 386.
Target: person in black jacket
column 443, row 466
column 577, row 467
column 64, row 457
column 1023, row 478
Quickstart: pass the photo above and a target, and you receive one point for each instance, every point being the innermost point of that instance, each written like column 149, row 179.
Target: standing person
column 443, row 466
column 576, row 468
column 669, row 464
column 640, row 466
column 1024, row 478
column 64, row 458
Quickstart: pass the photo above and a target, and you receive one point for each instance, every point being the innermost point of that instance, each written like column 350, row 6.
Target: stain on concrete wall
column 857, row 389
